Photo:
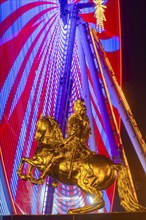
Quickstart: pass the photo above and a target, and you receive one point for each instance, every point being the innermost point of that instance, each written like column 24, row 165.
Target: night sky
column 133, row 18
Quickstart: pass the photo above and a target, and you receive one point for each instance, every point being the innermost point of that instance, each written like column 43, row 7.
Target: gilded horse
column 92, row 174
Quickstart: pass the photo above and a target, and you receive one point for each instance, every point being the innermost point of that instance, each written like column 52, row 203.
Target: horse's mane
column 55, row 126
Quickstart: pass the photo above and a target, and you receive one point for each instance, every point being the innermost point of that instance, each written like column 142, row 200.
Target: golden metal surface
column 71, row 162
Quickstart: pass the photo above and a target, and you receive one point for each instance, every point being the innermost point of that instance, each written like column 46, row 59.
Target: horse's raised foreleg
column 32, row 165
column 40, row 180
column 46, row 171
column 19, row 171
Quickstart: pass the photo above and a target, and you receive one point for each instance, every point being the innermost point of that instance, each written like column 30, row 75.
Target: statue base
column 100, row 216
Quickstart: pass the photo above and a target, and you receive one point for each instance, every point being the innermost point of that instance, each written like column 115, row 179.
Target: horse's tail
column 127, row 200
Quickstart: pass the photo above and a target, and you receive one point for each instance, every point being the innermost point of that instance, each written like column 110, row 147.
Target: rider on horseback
column 71, row 162
column 78, row 134
column 53, row 149
column 78, row 130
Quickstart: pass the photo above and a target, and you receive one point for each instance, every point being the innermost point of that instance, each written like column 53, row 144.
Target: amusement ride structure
column 73, row 64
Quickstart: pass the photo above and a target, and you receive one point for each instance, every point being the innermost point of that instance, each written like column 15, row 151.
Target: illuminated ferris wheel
column 53, row 54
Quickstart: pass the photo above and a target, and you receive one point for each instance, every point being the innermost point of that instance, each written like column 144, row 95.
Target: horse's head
column 48, row 130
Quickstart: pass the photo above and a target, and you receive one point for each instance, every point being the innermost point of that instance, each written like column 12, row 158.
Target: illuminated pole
column 85, row 86
column 64, row 88
column 65, row 84
column 85, row 34
column 122, row 106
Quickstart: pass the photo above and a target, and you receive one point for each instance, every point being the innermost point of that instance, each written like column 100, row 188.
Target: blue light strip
column 13, row 73
column 20, row 23
column 5, row 204
column 102, row 132
column 24, row 128
column 111, row 44
column 29, row 63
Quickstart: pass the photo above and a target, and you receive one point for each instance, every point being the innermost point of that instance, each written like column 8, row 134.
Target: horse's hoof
column 55, row 184
column 18, row 172
column 36, row 181
column 70, row 212
column 33, row 181
column 23, row 177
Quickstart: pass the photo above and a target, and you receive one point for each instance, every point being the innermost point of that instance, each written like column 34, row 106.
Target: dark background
column 133, row 21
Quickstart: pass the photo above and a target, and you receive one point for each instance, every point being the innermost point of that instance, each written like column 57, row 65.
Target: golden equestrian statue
column 71, row 162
